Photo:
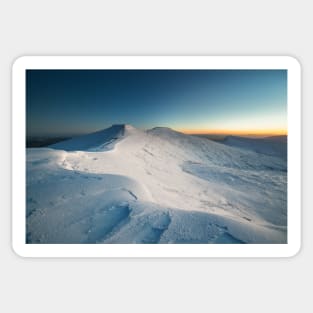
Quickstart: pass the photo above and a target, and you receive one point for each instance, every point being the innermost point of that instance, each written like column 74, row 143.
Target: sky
column 238, row 102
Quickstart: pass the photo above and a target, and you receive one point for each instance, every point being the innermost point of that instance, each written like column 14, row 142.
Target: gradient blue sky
column 69, row 102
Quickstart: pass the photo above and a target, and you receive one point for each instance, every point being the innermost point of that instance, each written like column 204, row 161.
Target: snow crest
column 102, row 140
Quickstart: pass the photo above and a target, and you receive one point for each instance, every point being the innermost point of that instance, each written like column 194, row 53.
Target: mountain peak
column 164, row 130
column 101, row 140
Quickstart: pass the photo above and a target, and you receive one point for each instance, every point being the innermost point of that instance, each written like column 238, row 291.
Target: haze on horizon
column 219, row 102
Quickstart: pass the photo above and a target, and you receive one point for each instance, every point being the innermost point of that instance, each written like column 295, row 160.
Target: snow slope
column 275, row 145
column 125, row 185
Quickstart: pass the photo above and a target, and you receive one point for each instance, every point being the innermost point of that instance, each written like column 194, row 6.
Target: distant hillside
column 274, row 145
column 37, row 142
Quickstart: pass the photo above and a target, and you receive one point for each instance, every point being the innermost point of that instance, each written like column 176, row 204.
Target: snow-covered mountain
column 125, row 185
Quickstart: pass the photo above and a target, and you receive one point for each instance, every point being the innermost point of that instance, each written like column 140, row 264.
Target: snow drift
column 125, row 185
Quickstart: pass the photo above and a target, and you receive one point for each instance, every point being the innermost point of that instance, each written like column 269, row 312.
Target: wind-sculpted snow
column 123, row 185
column 252, row 193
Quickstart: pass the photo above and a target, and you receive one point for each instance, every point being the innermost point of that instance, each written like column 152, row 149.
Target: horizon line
column 237, row 132
column 213, row 132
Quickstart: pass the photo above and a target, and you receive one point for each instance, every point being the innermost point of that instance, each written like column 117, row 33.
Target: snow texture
column 125, row 185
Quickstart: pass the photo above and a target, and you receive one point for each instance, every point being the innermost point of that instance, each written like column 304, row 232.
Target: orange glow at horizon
column 238, row 132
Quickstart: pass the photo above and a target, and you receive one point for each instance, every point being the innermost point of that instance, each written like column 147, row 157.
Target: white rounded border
column 155, row 62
